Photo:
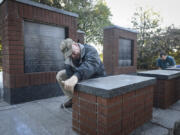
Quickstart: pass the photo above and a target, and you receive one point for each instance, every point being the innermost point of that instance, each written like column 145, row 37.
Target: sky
column 122, row 11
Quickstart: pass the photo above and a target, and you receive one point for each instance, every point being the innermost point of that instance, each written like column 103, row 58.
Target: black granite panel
column 42, row 47
column 111, row 86
column 25, row 94
column 160, row 74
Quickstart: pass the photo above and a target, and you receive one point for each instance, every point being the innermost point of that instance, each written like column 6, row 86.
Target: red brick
column 109, row 101
column 86, row 130
column 88, row 105
column 75, row 100
column 75, row 115
column 107, row 111
column 86, row 113
column 88, row 97
column 75, row 107
column 75, row 124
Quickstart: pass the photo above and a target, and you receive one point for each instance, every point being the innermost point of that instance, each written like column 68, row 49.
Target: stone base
column 117, row 115
column 25, row 94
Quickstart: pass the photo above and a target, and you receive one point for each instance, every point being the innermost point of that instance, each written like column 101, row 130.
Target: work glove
column 70, row 83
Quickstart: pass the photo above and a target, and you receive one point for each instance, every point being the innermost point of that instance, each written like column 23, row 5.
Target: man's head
column 70, row 49
column 163, row 55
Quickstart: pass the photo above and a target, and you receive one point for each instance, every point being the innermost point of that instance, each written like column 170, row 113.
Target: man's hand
column 70, row 83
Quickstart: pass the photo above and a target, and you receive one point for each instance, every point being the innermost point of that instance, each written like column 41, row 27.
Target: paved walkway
column 42, row 117
column 45, row 117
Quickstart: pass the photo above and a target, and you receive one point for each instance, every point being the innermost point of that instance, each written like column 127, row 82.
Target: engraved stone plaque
column 125, row 52
column 42, row 51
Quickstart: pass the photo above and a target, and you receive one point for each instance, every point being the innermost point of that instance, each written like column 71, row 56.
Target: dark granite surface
column 111, row 86
column 25, row 94
column 161, row 74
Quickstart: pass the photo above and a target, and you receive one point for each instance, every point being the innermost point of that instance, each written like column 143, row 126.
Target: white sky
column 122, row 10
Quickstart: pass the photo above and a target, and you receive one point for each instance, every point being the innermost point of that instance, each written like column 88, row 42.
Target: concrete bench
column 112, row 105
column 166, row 90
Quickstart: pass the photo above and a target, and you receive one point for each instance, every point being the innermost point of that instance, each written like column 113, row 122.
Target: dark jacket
column 165, row 63
column 89, row 65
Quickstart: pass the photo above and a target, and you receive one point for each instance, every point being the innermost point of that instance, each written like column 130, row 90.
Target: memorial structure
column 166, row 91
column 112, row 105
column 31, row 34
column 119, row 52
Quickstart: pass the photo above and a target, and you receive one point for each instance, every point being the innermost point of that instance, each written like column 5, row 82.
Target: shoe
column 68, row 104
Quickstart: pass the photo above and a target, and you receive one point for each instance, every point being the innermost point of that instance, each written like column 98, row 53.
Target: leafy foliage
column 93, row 16
column 152, row 39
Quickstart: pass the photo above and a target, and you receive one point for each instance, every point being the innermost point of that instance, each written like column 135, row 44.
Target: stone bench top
column 173, row 68
column 161, row 74
column 111, row 86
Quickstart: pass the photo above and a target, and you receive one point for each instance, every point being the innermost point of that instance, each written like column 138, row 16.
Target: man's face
column 75, row 51
column 163, row 57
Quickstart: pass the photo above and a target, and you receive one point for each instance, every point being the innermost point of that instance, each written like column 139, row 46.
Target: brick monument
column 119, row 52
column 31, row 33
column 112, row 105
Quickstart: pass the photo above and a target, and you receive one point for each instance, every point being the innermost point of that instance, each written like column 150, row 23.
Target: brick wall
column 80, row 36
column 12, row 15
column 112, row 116
column 178, row 88
column 165, row 93
column 110, row 50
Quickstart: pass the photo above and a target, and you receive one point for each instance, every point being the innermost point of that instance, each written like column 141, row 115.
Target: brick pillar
column 80, row 36
column 112, row 36
column 20, row 86
column 121, row 114
column 166, row 91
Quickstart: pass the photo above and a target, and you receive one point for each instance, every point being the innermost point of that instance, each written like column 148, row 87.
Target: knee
column 60, row 74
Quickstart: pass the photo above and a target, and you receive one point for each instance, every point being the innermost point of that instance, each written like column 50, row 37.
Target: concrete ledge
column 108, row 87
column 160, row 74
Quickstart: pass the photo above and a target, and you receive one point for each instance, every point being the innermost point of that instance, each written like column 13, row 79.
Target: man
column 165, row 61
column 81, row 62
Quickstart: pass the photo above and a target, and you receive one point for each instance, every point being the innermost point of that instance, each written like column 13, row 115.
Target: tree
column 147, row 23
column 93, row 16
column 152, row 39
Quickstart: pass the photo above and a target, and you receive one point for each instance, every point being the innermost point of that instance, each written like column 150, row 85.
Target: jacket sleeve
column 158, row 62
column 89, row 66
column 173, row 61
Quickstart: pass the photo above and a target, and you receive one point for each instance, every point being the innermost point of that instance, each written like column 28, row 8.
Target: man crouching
column 81, row 62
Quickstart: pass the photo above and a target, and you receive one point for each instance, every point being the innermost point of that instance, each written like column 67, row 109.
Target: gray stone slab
column 150, row 129
column 165, row 118
column 160, row 74
column 173, row 68
column 36, row 4
column 110, row 86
